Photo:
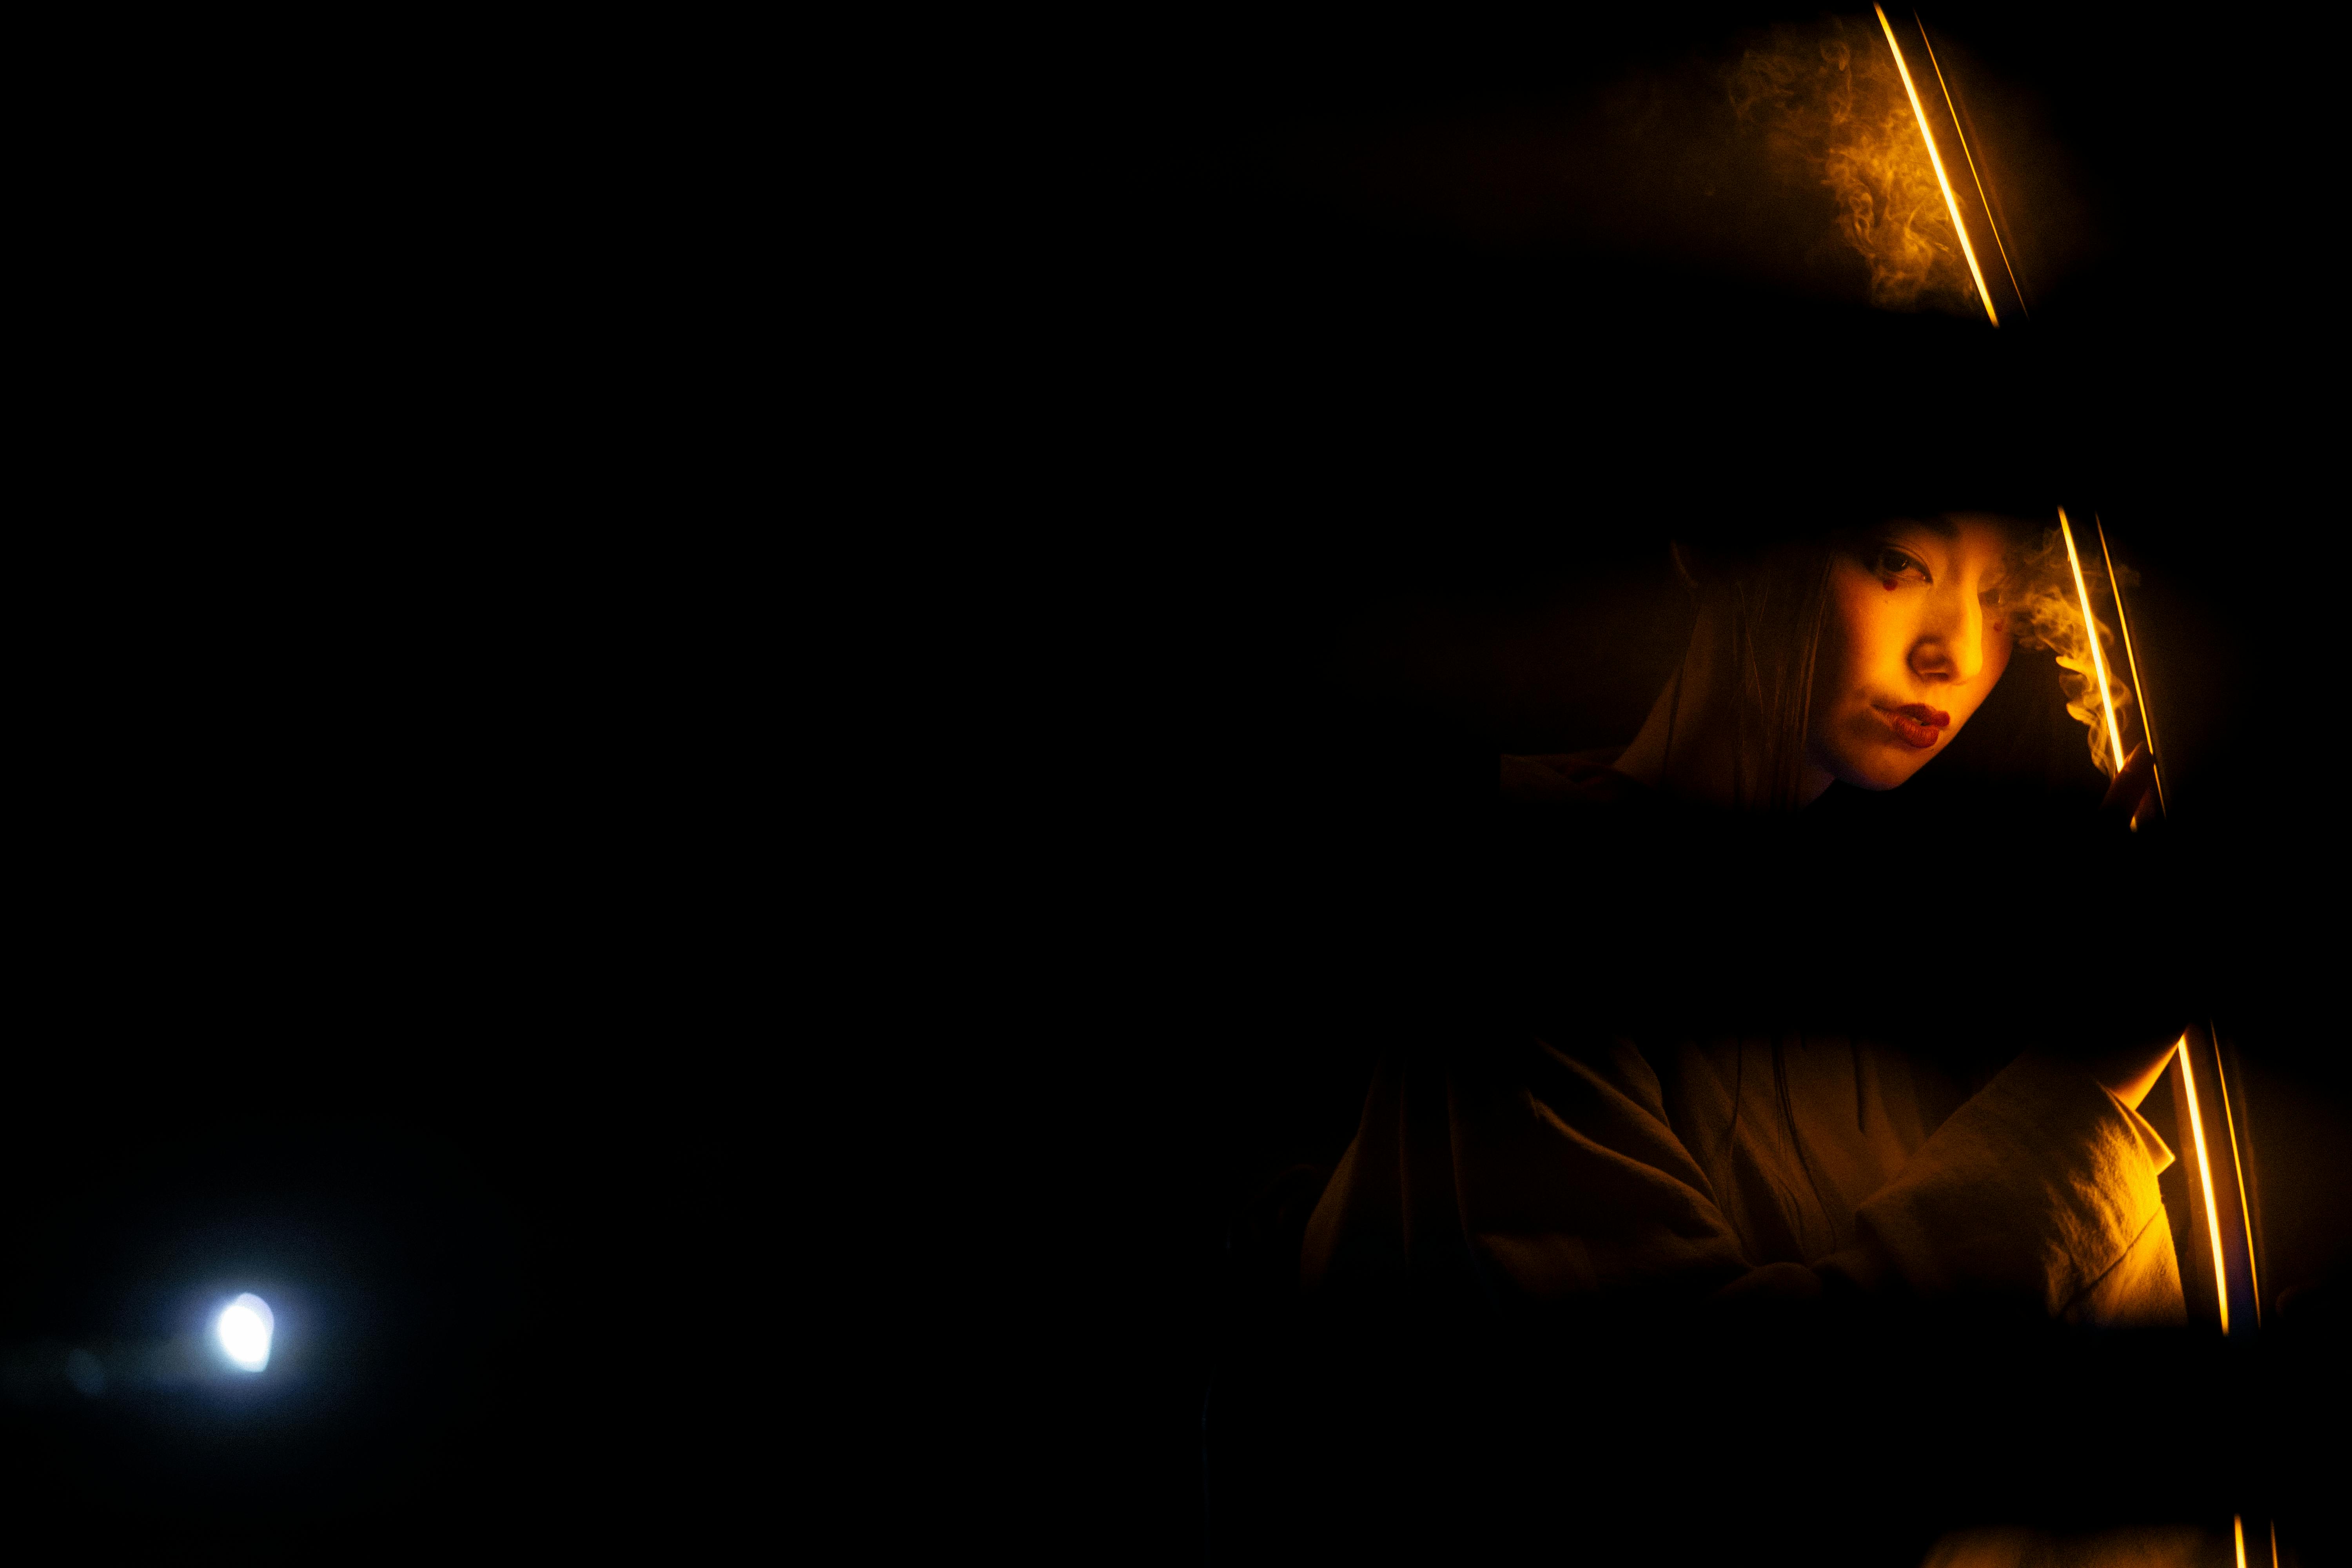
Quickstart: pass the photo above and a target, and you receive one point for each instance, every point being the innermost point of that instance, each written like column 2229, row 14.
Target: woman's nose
column 1952, row 646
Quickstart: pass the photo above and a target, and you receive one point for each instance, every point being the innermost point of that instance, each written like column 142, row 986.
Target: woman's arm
column 1562, row 1178
column 2041, row 1189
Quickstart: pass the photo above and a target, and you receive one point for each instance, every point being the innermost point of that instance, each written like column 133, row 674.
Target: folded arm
column 1564, row 1179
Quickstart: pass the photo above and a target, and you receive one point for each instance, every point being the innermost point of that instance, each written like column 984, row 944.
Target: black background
column 392, row 607
column 369, row 875
column 1391, row 476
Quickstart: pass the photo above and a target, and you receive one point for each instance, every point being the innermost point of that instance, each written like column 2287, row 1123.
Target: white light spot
column 244, row 1329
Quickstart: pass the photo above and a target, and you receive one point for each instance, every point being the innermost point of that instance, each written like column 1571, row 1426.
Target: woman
column 1738, row 1075
column 1580, row 1152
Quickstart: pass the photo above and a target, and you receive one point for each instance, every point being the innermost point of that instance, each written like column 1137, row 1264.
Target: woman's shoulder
column 1570, row 778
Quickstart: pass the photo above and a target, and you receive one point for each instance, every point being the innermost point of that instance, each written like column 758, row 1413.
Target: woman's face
column 1910, row 650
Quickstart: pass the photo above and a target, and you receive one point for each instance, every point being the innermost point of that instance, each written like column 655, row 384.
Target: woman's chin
column 1883, row 770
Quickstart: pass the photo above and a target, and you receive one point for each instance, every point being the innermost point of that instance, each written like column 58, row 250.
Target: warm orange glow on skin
column 2091, row 630
column 2205, row 1175
column 1937, row 158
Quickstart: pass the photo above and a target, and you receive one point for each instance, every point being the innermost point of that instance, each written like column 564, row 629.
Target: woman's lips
column 1918, row 724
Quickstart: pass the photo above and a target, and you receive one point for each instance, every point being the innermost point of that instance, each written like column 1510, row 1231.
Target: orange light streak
column 1963, row 138
column 2238, row 1524
column 2091, row 630
column 2146, row 724
column 2205, row 1175
column 1951, row 205
column 2238, row 1169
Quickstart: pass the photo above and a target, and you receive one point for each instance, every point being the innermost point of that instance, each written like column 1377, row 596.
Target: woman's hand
column 2131, row 798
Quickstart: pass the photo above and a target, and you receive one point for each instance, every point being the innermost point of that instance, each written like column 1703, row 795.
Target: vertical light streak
column 2205, row 1175
column 2238, row 1169
column 2139, row 693
column 2091, row 630
column 2238, row 1525
column 1936, row 158
column 1971, row 157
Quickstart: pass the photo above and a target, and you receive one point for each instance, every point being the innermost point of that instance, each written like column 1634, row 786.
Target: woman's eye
column 1898, row 563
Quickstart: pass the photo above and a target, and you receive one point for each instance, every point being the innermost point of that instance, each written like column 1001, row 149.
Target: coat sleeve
column 2041, row 1189
column 1558, row 1181
column 1560, row 1178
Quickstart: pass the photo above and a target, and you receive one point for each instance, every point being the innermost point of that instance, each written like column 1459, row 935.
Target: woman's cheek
column 1873, row 624
column 1861, row 600
column 1997, row 656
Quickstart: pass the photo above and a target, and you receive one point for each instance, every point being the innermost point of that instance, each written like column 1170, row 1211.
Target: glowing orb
column 244, row 1328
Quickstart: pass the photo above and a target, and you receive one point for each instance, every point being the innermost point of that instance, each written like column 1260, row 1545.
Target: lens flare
column 1951, row 203
column 244, row 1329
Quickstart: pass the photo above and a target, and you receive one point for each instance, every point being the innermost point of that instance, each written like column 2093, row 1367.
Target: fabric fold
column 1752, row 1169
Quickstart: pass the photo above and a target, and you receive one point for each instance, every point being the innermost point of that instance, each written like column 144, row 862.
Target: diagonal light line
column 2205, row 1175
column 2238, row 1169
column 1937, row 159
column 2091, row 630
column 2147, row 721
column 1991, row 222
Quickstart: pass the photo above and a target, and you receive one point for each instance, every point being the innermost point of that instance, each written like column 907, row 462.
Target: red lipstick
column 1918, row 724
